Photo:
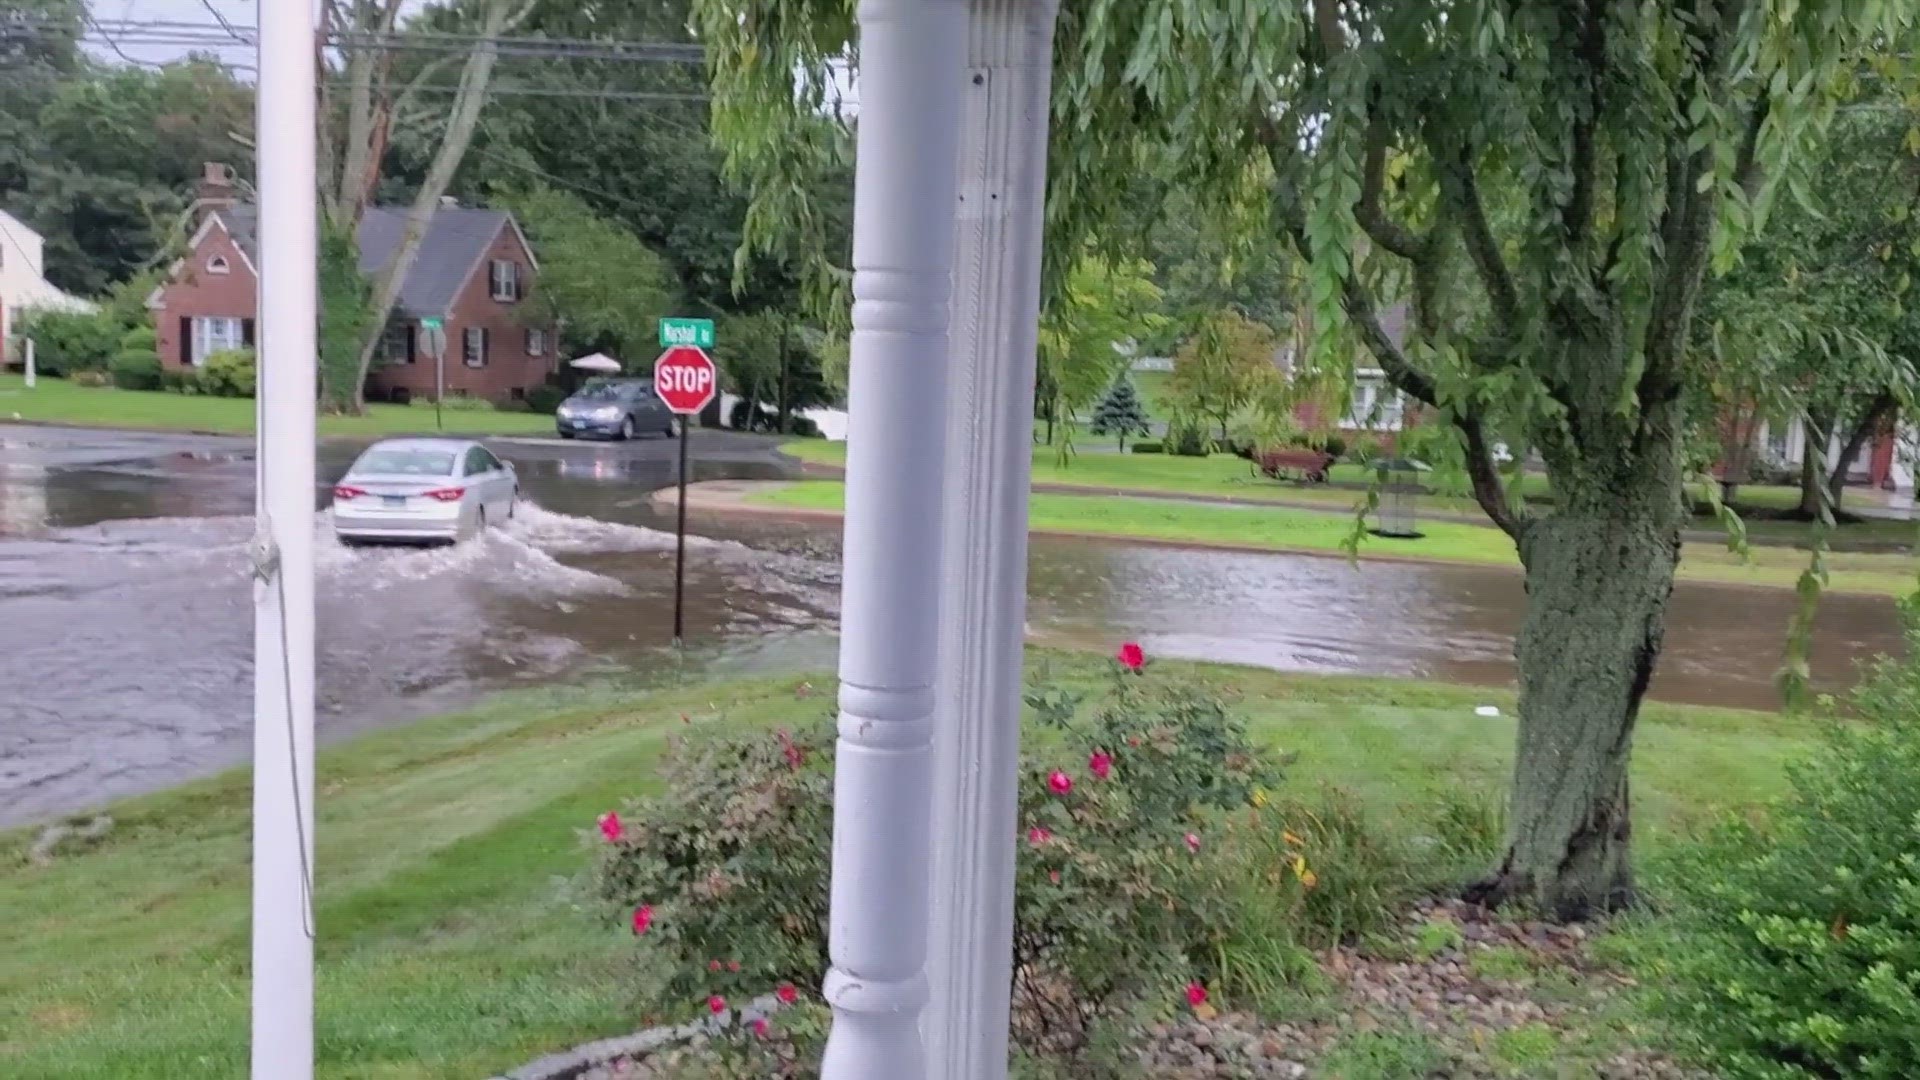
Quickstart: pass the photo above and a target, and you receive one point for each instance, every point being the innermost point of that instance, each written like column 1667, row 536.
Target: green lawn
column 454, row 938
column 1274, row 528
column 61, row 402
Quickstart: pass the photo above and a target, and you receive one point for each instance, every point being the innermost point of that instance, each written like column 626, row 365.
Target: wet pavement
column 125, row 632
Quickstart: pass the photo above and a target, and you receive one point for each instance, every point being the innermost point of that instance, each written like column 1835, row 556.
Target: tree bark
column 1876, row 414
column 463, row 116
column 1818, row 427
column 1598, row 579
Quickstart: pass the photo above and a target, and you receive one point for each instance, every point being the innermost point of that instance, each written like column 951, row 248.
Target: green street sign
column 430, row 324
column 695, row 332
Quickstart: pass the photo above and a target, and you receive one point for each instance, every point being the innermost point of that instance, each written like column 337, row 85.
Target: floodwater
column 125, row 628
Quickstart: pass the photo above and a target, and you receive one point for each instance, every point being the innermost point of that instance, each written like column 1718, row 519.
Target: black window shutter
column 186, row 340
column 412, row 338
column 483, row 346
column 246, row 332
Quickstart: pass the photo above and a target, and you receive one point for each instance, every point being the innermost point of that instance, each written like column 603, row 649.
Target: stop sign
column 685, row 379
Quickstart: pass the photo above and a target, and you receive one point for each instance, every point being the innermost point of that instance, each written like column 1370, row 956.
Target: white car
column 423, row 490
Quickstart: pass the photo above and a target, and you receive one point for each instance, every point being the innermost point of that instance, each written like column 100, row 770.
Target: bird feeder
column 1401, row 482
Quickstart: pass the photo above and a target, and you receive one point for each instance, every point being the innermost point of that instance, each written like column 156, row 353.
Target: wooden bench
column 1294, row 462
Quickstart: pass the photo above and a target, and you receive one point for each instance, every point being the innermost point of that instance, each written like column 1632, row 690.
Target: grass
column 1301, row 530
column 58, row 401
column 1225, row 477
column 454, row 941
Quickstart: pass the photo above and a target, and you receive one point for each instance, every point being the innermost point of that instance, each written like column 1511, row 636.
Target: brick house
column 474, row 271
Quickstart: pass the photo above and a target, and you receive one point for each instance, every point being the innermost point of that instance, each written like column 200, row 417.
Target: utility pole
column 995, row 329
column 283, row 928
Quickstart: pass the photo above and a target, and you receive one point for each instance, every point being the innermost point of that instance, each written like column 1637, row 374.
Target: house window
column 473, row 346
column 1376, row 407
column 504, row 279
column 215, row 333
column 396, row 345
column 536, row 341
column 218, row 265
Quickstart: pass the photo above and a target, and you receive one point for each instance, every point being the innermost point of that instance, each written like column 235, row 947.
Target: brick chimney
column 215, row 191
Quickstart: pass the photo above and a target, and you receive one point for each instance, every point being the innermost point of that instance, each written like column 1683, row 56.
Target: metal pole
column 284, row 513
column 680, row 542
column 912, row 73
column 983, row 606
column 30, row 371
column 439, row 382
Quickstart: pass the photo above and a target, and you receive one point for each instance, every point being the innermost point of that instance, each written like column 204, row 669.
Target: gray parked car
column 423, row 490
column 614, row 409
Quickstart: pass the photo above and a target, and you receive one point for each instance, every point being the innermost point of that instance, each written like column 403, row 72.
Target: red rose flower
column 1101, row 764
column 610, row 827
column 1059, row 783
column 1038, row 836
column 716, row 1004
column 642, row 918
column 1131, row 656
column 787, row 994
column 761, row 1027
column 1196, row 994
column 733, row 966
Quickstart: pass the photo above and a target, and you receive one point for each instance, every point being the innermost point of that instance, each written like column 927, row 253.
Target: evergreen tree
column 1120, row 412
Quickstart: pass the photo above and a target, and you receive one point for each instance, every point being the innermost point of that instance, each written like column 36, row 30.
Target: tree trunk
column 785, row 381
column 1869, row 423
column 1813, row 455
column 462, row 117
column 1598, row 577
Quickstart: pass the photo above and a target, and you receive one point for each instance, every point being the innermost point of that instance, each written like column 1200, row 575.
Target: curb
column 569, row 1064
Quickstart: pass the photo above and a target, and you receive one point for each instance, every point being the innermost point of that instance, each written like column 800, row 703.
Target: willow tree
column 1545, row 182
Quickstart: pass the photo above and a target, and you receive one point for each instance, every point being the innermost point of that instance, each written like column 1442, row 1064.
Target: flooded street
column 125, row 614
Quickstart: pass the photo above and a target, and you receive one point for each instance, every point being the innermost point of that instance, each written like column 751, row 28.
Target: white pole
column 989, row 466
column 30, row 372
column 912, row 70
column 283, row 589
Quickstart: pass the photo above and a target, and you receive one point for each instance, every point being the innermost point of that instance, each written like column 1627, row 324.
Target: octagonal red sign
column 685, row 379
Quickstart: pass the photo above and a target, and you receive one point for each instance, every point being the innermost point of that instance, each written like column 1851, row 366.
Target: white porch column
column 912, row 69
column 989, row 466
column 283, row 586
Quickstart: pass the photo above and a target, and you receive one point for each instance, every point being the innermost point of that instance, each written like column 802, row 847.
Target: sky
column 238, row 12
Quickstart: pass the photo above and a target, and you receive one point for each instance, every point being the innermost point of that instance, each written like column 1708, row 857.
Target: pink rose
column 716, row 1004
column 1101, row 764
column 1131, row 656
column 1038, row 836
column 1193, row 843
column 610, row 827
column 642, row 918
column 1059, row 783
column 1196, row 994
column 761, row 1027
column 787, row 994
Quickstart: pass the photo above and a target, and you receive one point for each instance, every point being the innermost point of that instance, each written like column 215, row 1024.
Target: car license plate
column 578, row 424
column 393, row 500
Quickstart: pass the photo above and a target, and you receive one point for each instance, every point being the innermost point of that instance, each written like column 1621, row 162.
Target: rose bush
column 723, row 876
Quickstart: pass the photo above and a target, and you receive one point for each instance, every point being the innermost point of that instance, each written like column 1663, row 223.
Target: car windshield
column 406, row 461
column 602, row 391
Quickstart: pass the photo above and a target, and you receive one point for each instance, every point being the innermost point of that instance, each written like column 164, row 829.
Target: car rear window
column 603, row 391
column 407, row 462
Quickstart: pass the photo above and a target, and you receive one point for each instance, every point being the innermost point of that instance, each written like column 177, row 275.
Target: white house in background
column 22, row 284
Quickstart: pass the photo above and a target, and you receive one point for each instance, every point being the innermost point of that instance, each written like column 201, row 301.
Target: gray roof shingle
column 456, row 239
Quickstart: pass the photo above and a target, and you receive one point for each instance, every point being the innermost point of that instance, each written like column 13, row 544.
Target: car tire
column 668, row 431
column 566, row 434
column 626, row 429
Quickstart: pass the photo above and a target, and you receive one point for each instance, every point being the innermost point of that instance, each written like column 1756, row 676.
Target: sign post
column 436, row 334
column 30, row 371
column 686, row 381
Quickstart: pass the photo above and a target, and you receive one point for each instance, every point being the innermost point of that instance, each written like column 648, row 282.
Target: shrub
column 228, row 373
column 1149, row 447
column 140, row 339
column 545, row 398
column 1796, row 945
column 65, row 342
column 1187, row 438
column 90, row 379
column 134, row 370
column 180, row 380
column 802, row 427
column 725, row 873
